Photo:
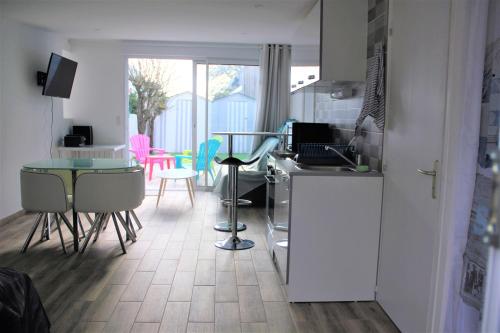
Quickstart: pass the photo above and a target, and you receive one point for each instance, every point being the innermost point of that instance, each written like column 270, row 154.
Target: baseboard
column 11, row 217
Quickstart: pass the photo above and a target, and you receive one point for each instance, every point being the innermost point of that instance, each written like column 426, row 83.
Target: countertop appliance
column 74, row 140
column 86, row 132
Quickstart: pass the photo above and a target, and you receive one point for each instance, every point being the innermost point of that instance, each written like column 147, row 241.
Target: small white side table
column 186, row 174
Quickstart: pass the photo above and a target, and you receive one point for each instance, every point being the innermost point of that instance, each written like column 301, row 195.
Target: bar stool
column 234, row 242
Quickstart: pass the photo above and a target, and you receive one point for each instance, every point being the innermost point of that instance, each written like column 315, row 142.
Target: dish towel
column 374, row 102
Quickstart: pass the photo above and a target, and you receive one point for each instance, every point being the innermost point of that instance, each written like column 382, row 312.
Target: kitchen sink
column 330, row 168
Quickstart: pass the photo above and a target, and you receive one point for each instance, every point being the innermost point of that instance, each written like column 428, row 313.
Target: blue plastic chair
column 213, row 147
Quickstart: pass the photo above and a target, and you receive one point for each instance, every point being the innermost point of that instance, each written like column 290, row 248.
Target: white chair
column 106, row 195
column 44, row 193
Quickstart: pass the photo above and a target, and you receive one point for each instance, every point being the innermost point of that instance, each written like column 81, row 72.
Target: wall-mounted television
column 58, row 81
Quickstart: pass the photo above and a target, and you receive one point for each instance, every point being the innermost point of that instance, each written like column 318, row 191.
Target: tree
column 223, row 80
column 150, row 80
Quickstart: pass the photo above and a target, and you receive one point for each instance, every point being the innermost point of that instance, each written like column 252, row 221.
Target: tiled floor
column 173, row 279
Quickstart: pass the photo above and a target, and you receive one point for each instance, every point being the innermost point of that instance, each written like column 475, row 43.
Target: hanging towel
column 374, row 102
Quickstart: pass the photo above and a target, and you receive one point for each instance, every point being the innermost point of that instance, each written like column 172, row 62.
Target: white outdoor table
column 175, row 174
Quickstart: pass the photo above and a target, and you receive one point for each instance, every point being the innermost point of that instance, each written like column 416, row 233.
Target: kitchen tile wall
column 342, row 115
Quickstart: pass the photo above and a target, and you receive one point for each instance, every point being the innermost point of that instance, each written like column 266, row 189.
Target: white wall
column 99, row 92
column 98, row 97
column 25, row 115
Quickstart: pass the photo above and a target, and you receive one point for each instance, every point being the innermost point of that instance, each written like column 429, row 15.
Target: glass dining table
column 81, row 165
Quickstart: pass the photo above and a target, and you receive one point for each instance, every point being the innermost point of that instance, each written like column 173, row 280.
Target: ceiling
column 233, row 21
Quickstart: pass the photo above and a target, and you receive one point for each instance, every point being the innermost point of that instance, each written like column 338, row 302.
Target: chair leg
column 60, row 233
column 124, row 225
column 128, row 222
column 89, row 235
column 105, row 225
column 89, row 219
column 43, row 233
column 81, row 226
column 150, row 170
column 139, row 225
column 32, row 232
column 99, row 227
column 119, row 233
column 65, row 220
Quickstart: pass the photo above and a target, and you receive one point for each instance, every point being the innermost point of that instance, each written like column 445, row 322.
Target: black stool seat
column 231, row 160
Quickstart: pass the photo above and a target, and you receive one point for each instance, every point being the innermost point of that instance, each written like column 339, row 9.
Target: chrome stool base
column 241, row 202
column 226, row 227
column 234, row 243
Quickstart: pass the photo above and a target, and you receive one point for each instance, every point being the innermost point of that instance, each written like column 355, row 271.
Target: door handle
column 433, row 173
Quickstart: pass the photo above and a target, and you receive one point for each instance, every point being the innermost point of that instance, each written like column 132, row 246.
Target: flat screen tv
column 310, row 133
column 60, row 76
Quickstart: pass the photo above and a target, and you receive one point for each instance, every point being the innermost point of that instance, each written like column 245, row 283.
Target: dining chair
column 106, row 195
column 44, row 193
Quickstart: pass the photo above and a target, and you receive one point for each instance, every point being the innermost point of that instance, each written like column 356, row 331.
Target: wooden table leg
column 160, row 191
column 192, row 187
column 189, row 191
column 164, row 186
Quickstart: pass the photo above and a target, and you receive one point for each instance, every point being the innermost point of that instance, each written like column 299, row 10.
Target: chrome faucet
column 341, row 155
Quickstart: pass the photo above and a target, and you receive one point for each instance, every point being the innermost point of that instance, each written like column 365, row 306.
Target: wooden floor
column 173, row 279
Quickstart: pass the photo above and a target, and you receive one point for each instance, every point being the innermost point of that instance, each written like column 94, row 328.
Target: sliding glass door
column 227, row 101
column 179, row 103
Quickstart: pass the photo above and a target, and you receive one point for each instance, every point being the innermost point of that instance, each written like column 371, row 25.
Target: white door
column 417, row 75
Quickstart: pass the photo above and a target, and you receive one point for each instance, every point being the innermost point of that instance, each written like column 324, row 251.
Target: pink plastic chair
column 141, row 149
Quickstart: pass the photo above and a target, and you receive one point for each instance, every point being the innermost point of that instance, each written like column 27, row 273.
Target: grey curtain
column 274, row 98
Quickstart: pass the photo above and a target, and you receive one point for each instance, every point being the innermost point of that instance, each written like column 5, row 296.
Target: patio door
column 225, row 99
column 197, row 97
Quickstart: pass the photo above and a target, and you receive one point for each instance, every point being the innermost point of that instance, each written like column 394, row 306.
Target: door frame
column 442, row 259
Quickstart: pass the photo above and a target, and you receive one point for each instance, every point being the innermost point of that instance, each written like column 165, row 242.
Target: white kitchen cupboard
column 323, row 232
column 333, row 238
column 333, row 37
column 344, row 32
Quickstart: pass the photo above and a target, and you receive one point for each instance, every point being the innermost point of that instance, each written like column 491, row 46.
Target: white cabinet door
column 417, row 77
column 344, row 34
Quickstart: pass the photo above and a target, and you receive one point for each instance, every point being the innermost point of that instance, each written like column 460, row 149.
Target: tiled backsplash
column 377, row 24
column 342, row 115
